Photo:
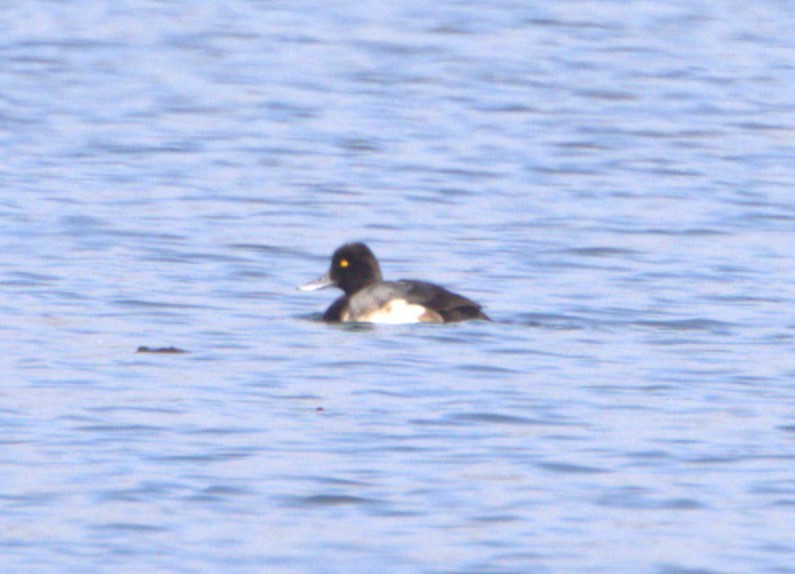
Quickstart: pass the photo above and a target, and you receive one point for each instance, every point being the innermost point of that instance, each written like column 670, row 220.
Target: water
column 614, row 182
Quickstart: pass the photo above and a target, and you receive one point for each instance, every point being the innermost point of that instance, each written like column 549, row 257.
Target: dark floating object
column 161, row 350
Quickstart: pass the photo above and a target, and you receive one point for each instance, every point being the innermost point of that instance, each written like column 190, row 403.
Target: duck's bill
column 320, row 283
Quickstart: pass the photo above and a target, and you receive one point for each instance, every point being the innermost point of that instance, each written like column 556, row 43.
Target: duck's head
column 353, row 267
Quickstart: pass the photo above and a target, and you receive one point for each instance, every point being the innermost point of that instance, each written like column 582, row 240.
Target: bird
column 367, row 298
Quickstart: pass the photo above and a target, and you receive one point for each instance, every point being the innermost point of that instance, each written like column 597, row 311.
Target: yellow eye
column 344, row 263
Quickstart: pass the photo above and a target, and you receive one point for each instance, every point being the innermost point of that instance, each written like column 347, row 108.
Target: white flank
column 394, row 312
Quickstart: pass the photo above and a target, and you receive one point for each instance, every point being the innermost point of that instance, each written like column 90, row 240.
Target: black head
column 353, row 267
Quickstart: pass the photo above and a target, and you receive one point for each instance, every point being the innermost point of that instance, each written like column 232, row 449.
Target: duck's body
column 404, row 301
column 370, row 299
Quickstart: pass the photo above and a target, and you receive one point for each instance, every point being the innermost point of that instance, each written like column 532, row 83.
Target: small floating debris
column 162, row 350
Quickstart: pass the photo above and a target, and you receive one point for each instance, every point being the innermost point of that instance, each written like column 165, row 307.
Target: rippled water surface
column 614, row 182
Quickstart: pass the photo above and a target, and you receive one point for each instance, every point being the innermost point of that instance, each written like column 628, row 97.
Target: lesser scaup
column 370, row 299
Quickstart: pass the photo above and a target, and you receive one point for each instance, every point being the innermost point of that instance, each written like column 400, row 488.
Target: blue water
column 614, row 182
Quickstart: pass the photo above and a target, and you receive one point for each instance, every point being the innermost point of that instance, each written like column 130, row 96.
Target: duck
column 367, row 298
